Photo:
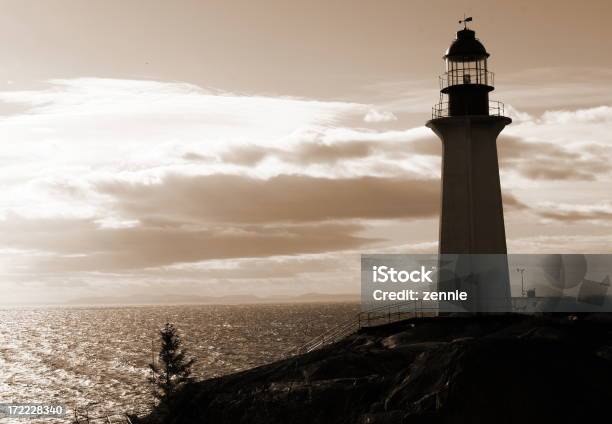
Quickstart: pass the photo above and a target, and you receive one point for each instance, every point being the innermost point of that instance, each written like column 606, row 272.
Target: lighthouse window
column 467, row 71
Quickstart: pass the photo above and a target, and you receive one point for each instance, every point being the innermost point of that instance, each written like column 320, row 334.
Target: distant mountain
column 323, row 297
column 159, row 299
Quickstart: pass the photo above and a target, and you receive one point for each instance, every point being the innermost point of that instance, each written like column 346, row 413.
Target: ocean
column 96, row 358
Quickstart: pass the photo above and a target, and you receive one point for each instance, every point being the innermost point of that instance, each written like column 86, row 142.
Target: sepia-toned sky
column 220, row 147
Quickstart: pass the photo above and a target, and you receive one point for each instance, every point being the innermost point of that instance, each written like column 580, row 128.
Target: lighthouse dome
column 466, row 47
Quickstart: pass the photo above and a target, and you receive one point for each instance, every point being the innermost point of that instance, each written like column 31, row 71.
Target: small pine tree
column 173, row 368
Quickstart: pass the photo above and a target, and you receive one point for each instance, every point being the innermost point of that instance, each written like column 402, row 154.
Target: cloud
column 307, row 153
column 599, row 114
column 107, row 98
column 190, row 219
column 375, row 116
column 82, row 130
column 570, row 243
column 538, row 160
column 554, row 170
column 318, row 152
column 99, row 120
column 601, row 212
column 286, row 198
column 197, row 157
column 513, row 147
column 248, row 155
column 143, row 180
column 277, row 267
column 512, row 203
column 522, row 150
column 69, row 245
column 516, row 115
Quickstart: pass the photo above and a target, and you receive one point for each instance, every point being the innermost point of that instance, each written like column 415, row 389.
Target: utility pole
column 522, row 271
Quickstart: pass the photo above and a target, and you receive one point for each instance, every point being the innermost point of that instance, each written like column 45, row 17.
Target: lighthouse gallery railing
column 441, row 110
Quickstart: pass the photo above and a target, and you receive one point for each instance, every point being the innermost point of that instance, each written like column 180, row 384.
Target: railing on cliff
column 371, row 318
column 365, row 319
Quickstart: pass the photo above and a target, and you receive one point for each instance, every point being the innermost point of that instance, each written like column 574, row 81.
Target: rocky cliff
column 479, row 369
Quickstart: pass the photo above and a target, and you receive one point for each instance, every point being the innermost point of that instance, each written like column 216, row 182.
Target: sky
column 236, row 147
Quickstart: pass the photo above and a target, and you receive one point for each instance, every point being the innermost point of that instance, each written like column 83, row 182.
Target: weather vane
column 465, row 20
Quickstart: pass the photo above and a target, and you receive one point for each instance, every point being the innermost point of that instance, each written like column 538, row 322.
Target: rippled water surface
column 97, row 357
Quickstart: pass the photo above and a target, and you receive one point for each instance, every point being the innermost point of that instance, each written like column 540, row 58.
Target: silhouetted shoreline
column 502, row 369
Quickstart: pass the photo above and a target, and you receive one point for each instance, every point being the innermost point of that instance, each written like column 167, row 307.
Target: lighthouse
column 472, row 217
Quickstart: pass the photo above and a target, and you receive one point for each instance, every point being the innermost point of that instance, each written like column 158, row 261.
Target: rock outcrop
column 478, row 369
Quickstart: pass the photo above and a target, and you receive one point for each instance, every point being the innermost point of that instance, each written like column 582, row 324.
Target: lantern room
column 467, row 81
column 466, row 61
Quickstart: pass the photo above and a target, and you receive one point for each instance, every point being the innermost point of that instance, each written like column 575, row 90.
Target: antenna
column 465, row 20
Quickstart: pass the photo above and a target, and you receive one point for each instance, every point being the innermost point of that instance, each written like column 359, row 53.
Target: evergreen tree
column 172, row 369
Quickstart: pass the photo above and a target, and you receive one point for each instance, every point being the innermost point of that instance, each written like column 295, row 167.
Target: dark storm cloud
column 286, row 198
